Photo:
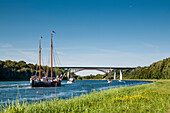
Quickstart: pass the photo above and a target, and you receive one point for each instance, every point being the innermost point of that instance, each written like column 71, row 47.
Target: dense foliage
column 157, row 70
column 12, row 70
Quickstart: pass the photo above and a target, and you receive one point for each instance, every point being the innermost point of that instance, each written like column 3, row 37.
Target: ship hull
column 34, row 83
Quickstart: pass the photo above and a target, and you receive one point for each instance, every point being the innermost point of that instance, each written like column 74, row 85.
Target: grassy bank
column 154, row 97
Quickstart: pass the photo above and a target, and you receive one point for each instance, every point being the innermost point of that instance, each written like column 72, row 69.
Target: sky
column 125, row 33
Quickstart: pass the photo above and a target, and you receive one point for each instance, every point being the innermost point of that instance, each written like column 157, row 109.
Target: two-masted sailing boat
column 46, row 81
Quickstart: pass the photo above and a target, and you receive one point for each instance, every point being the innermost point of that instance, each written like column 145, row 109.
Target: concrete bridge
column 106, row 70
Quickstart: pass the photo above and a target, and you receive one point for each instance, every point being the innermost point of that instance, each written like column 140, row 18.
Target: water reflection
column 22, row 90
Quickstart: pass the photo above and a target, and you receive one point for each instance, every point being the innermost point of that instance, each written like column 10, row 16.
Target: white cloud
column 150, row 45
column 5, row 45
column 113, row 58
column 30, row 56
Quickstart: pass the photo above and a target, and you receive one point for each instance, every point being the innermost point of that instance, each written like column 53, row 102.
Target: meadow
column 153, row 97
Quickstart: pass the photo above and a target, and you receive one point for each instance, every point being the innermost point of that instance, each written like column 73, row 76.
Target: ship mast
column 51, row 57
column 40, row 58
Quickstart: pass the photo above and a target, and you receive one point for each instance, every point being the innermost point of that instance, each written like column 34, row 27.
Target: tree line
column 12, row 70
column 157, row 70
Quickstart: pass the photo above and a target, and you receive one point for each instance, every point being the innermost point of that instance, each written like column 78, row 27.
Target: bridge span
column 104, row 67
column 106, row 70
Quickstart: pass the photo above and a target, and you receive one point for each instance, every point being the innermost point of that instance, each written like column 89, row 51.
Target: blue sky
column 88, row 32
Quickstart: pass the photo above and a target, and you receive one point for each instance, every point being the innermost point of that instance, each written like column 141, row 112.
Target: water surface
column 21, row 90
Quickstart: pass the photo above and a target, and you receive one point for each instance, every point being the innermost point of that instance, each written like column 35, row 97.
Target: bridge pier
column 120, row 75
column 68, row 73
column 114, row 74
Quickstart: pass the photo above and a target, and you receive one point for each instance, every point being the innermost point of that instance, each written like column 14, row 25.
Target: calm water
column 9, row 91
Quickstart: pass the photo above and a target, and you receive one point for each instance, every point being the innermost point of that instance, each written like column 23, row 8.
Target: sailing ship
column 46, row 81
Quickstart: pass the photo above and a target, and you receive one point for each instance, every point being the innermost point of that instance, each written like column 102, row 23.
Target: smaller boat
column 120, row 76
column 71, row 80
column 109, row 80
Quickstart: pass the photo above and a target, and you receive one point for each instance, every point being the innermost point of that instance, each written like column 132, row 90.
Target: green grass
column 154, row 97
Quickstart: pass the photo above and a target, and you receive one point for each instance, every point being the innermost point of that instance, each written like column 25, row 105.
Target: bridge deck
column 98, row 67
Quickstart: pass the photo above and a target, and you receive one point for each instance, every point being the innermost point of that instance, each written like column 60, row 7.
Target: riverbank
column 151, row 80
column 153, row 97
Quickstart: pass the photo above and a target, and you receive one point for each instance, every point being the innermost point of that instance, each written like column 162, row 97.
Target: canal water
column 21, row 90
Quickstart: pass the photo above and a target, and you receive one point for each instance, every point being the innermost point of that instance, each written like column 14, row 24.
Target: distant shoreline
column 151, row 80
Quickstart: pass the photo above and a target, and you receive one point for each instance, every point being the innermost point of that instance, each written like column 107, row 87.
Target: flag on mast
column 53, row 31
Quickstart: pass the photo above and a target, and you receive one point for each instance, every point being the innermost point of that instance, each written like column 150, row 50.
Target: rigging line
column 42, row 63
column 55, row 67
column 42, row 60
column 56, row 61
column 36, row 68
column 32, row 70
column 55, row 58
column 54, row 54
column 59, row 59
column 59, row 62
column 48, row 63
